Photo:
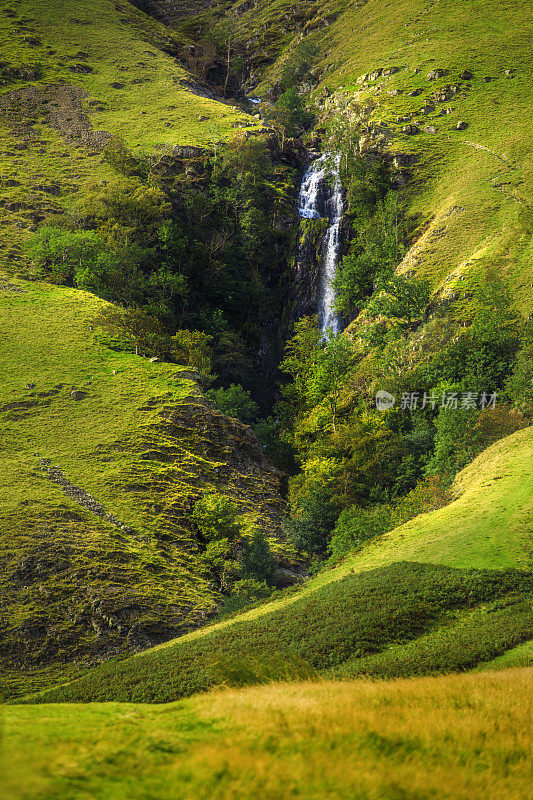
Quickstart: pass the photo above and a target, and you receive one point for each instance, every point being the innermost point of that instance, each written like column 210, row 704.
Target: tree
column 331, row 373
column 400, row 296
column 313, row 521
column 257, row 559
column 140, row 330
column 61, row 252
column 235, row 402
column 193, row 348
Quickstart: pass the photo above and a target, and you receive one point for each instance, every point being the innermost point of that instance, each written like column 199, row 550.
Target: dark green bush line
column 358, row 615
column 480, row 637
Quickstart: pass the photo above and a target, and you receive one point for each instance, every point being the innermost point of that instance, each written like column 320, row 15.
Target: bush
column 235, row 402
column 315, row 516
column 257, row 559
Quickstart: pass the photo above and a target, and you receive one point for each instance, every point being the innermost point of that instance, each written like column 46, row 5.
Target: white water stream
column 320, row 198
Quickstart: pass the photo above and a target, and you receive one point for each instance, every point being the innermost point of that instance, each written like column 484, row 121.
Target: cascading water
column 317, row 200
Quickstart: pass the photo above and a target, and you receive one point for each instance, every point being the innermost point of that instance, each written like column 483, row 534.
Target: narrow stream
column 321, row 196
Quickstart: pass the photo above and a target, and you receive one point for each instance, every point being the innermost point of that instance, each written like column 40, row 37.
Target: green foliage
column 401, row 297
column 217, row 517
column 375, row 251
column 60, row 252
column 257, row 559
column 355, row 526
column 471, row 639
column 312, row 522
column 358, row 525
column 193, row 348
column 235, row 402
column 356, row 616
column 289, row 114
column 519, row 384
column 140, row 331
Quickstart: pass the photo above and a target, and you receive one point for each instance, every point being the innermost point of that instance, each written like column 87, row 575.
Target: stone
column 153, row 360
column 430, row 129
column 30, row 386
column 390, row 71
column 81, row 69
column 461, row 125
column 411, row 129
column 201, row 118
column 415, row 92
column 437, row 73
column 373, row 76
column 76, row 394
column 466, row 75
column 115, row 372
column 509, row 73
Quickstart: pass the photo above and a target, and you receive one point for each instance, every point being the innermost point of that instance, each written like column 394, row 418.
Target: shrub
column 235, row 402
column 257, row 559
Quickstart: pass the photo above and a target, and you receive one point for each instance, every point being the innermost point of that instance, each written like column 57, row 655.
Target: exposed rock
column 437, row 73
column 430, row 129
column 466, row 75
column 77, row 394
column 154, row 360
column 461, row 125
column 509, row 73
column 82, row 69
column 410, row 129
column 390, row 71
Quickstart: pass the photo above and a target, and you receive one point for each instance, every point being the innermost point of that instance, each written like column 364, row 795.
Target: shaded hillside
column 103, row 456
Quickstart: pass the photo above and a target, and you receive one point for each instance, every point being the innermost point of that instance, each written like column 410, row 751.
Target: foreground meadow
column 459, row 736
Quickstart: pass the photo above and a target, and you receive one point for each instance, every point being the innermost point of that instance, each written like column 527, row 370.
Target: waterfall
column 317, row 200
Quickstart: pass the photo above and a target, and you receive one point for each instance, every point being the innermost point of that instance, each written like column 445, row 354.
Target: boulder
column 76, row 394
column 437, row 73
column 410, row 129
column 466, row 75
column 154, row 360
column 461, row 125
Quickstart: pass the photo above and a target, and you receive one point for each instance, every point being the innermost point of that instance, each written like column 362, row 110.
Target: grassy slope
column 152, row 112
column 473, row 531
column 469, row 190
column 505, row 548
column 473, row 204
column 142, row 442
column 456, row 738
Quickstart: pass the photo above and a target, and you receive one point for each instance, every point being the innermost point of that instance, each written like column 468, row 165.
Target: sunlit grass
column 454, row 738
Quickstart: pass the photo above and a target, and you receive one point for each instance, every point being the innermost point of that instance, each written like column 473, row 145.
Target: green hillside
column 96, row 493
column 70, row 80
column 347, row 611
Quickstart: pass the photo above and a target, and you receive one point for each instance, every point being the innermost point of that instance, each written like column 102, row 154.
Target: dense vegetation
column 355, row 616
